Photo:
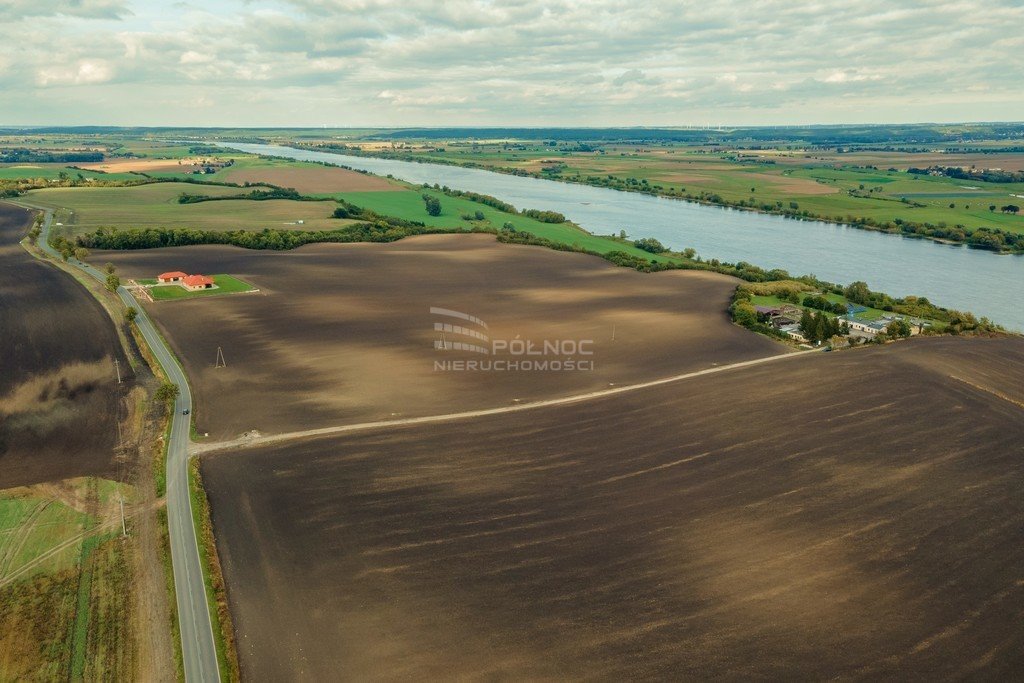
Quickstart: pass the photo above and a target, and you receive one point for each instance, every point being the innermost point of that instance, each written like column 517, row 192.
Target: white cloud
column 85, row 72
column 13, row 10
column 599, row 62
column 193, row 57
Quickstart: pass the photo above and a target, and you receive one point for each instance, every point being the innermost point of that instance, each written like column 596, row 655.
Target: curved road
column 199, row 653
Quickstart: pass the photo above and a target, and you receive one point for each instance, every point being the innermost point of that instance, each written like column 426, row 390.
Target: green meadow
column 156, row 206
column 410, row 206
column 53, row 171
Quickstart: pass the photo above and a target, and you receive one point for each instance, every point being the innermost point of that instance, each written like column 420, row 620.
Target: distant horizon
column 15, row 126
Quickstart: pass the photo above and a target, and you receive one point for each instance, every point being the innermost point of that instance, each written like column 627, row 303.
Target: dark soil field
column 58, row 400
column 856, row 515
column 312, row 179
column 344, row 333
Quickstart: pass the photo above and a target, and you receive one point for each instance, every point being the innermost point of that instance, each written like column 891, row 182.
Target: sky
column 384, row 63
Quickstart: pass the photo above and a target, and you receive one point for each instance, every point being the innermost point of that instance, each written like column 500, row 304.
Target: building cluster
column 786, row 318
column 190, row 282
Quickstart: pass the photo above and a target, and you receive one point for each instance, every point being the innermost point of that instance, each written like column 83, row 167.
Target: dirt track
column 343, row 333
column 855, row 514
column 57, row 382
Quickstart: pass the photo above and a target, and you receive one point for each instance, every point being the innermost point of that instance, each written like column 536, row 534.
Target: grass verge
column 172, row 601
column 213, row 578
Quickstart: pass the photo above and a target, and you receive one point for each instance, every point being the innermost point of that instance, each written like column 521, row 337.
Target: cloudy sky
column 522, row 62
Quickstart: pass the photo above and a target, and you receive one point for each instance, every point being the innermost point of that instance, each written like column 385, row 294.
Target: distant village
column 787, row 318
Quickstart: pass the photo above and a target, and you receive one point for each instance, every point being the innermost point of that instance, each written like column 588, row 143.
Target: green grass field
column 151, row 149
column 241, row 162
column 31, row 527
column 34, row 527
column 226, row 284
column 156, row 206
column 410, row 206
column 53, row 171
column 65, row 583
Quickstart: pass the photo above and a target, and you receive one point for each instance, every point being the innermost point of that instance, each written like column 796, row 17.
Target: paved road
column 246, row 442
column 197, row 644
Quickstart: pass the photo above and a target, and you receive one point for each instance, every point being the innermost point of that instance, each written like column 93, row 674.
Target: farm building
column 866, row 328
column 173, row 276
column 778, row 316
column 196, row 282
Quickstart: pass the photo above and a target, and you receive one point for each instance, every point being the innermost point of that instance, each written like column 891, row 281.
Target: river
column 984, row 283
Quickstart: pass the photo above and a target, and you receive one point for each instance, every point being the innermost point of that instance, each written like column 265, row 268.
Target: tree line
column 276, row 239
column 986, row 175
column 20, row 155
column 255, row 195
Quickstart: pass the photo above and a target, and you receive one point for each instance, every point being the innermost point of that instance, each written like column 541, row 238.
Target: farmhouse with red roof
column 173, row 276
column 195, row 282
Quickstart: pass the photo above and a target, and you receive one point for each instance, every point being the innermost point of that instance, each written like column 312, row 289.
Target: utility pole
column 117, row 366
column 613, row 332
column 124, row 529
column 220, row 362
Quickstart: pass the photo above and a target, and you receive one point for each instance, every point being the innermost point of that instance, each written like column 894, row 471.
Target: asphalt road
column 199, row 653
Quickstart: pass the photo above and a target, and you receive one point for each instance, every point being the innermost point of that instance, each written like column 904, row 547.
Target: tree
column 744, row 314
column 167, row 392
column 858, row 292
column 650, row 244
column 807, row 324
column 689, row 253
column 81, row 253
column 113, row 282
column 479, row 215
column 991, row 207
column 131, row 314
column 898, row 329
column 432, row 204
column 109, row 268
column 1010, row 208
column 821, row 328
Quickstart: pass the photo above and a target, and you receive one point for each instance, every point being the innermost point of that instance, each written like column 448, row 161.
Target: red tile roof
column 171, row 275
column 198, row 281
